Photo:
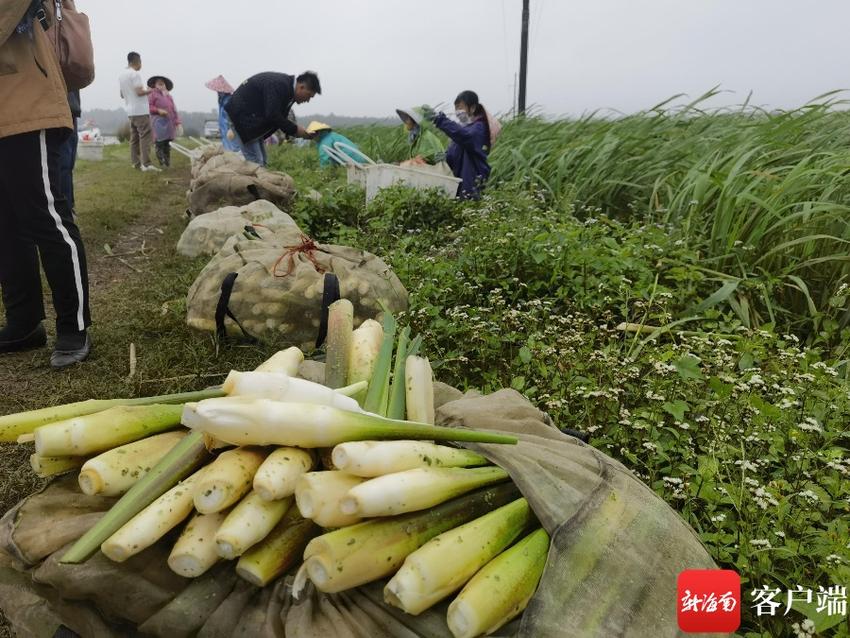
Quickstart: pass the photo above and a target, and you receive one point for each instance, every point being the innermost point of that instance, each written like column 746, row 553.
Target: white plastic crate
column 357, row 174
column 384, row 175
column 90, row 151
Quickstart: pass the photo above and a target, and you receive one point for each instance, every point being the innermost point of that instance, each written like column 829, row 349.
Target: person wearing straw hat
column 223, row 90
column 36, row 222
column 424, row 145
column 326, row 138
column 473, row 135
column 165, row 121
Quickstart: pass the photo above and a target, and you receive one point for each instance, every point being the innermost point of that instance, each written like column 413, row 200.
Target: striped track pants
column 35, row 220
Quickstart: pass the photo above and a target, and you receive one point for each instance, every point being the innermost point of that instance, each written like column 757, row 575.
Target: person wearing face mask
column 472, row 138
column 165, row 121
column 425, row 147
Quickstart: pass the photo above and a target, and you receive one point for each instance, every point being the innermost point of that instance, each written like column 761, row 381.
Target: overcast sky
column 375, row 55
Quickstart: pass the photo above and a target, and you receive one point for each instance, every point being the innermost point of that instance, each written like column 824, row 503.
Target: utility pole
column 523, row 58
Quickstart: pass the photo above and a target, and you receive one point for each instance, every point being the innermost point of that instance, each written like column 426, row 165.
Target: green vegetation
column 735, row 408
column 721, row 235
column 761, row 198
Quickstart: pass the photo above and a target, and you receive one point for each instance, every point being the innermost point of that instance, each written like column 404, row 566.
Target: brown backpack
column 70, row 35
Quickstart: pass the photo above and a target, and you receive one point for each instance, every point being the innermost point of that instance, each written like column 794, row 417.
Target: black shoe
column 70, row 349
column 17, row 341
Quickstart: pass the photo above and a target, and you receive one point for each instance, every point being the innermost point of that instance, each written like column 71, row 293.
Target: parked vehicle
column 211, row 130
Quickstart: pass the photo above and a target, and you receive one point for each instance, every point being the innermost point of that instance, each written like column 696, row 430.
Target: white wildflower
column 806, row 630
column 756, row 380
column 810, row 424
column 808, row 495
column 746, row 465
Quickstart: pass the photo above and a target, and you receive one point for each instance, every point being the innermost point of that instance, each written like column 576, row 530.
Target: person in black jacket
column 260, row 106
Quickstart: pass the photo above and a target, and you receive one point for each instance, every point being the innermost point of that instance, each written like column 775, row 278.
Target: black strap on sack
column 250, row 232
column 222, row 309
column 584, row 437
column 329, row 295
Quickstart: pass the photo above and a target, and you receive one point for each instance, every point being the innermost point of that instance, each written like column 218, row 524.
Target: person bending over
column 261, row 105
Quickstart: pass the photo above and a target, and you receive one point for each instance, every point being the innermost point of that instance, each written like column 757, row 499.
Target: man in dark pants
column 69, row 152
column 35, row 218
column 261, row 105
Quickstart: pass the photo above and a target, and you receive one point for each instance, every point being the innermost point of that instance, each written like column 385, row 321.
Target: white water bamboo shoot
column 375, row 458
column 417, row 489
column 249, row 523
column 115, row 471
column 439, row 568
column 228, row 479
column 286, row 361
column 277, row 476
column 151, row 524
column 501, row 590
column 196, row 551
column 318, row 495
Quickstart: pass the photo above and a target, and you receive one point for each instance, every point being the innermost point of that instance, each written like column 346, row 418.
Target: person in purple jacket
column 165, row 120
column 472, row 137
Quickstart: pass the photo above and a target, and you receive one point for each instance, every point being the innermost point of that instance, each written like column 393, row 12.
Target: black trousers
column 163, row 152
column 35, row 219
